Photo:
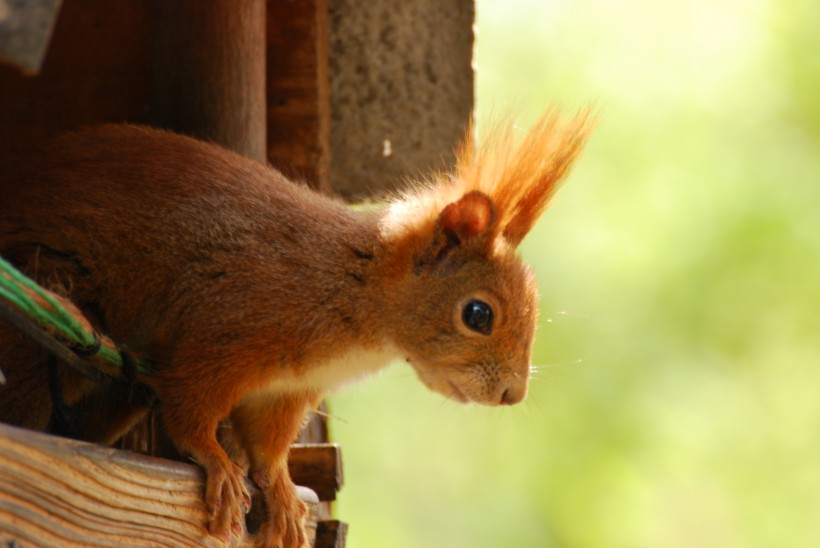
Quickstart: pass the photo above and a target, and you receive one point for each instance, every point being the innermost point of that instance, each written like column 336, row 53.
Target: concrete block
column 401, row 89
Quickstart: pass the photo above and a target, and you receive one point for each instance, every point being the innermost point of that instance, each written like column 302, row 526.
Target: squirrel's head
column 465, row 305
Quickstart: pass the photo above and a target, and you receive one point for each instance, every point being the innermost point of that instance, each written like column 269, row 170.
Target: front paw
column 226, row 499
column 284, row 523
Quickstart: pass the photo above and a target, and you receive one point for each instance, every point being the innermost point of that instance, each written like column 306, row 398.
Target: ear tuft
column 470, row 217
column 522, row 175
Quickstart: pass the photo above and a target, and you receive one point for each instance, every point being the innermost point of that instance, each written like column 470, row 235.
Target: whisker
column 327, row 415
column 531, row 398
column 563, row 313
column 539, row 367
column 574, row 314
column 448, row 398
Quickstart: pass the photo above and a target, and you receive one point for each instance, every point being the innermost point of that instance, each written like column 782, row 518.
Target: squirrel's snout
column 513, row 395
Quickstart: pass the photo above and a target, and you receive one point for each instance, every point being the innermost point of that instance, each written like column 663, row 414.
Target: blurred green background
column 678, row 403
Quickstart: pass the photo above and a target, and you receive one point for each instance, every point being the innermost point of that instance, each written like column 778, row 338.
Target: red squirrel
column 254, row 296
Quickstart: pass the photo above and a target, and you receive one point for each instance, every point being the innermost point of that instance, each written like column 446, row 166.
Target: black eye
column 478, row 316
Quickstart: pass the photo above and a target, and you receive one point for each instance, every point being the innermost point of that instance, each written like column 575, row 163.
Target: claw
column 227, row 500
column 284, row 526
column 261, row 479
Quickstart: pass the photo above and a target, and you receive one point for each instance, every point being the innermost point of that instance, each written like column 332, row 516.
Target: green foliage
column 677, row 400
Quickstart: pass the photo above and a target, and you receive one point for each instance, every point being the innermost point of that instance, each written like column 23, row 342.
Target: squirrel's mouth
column 457, row 394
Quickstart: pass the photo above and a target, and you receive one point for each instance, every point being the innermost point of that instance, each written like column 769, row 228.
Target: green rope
column 57, row 317
column 23, row 293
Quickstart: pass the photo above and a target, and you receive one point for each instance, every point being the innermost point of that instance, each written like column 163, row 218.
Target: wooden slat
column 297, row 87
column 319, row 467
column 59, row 492
column 331, row 534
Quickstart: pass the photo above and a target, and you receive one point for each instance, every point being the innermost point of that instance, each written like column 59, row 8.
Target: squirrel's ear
column 469, row 219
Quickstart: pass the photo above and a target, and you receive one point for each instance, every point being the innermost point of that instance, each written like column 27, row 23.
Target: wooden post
column 209, row 71
column 298, row 90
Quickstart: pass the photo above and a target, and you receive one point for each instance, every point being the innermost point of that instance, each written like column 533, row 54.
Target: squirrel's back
column 146, row 225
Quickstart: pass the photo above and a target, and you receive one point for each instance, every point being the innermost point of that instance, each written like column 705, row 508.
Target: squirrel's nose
column 511, row 396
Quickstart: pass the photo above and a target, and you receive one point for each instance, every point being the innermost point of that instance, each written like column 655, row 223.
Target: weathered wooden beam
column 209, row 71
column 317, row 466
column 297, row 88
column 60, row 492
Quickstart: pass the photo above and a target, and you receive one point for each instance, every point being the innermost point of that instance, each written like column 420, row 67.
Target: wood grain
column 59, row 492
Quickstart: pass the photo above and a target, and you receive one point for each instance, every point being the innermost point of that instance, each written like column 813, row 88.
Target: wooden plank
column 331, row 534
column 298, row 97
column 317, row 466
column 59, row 492
column 25, row 29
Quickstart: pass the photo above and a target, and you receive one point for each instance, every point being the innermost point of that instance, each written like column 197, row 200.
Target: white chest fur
column 355, row 364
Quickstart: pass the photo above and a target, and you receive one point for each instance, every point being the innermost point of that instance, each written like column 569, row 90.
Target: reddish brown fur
column 254, row 296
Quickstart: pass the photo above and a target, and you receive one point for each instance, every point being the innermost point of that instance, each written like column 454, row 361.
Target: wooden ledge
column 331, row 534
column 60, row 492
column 317, row 466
